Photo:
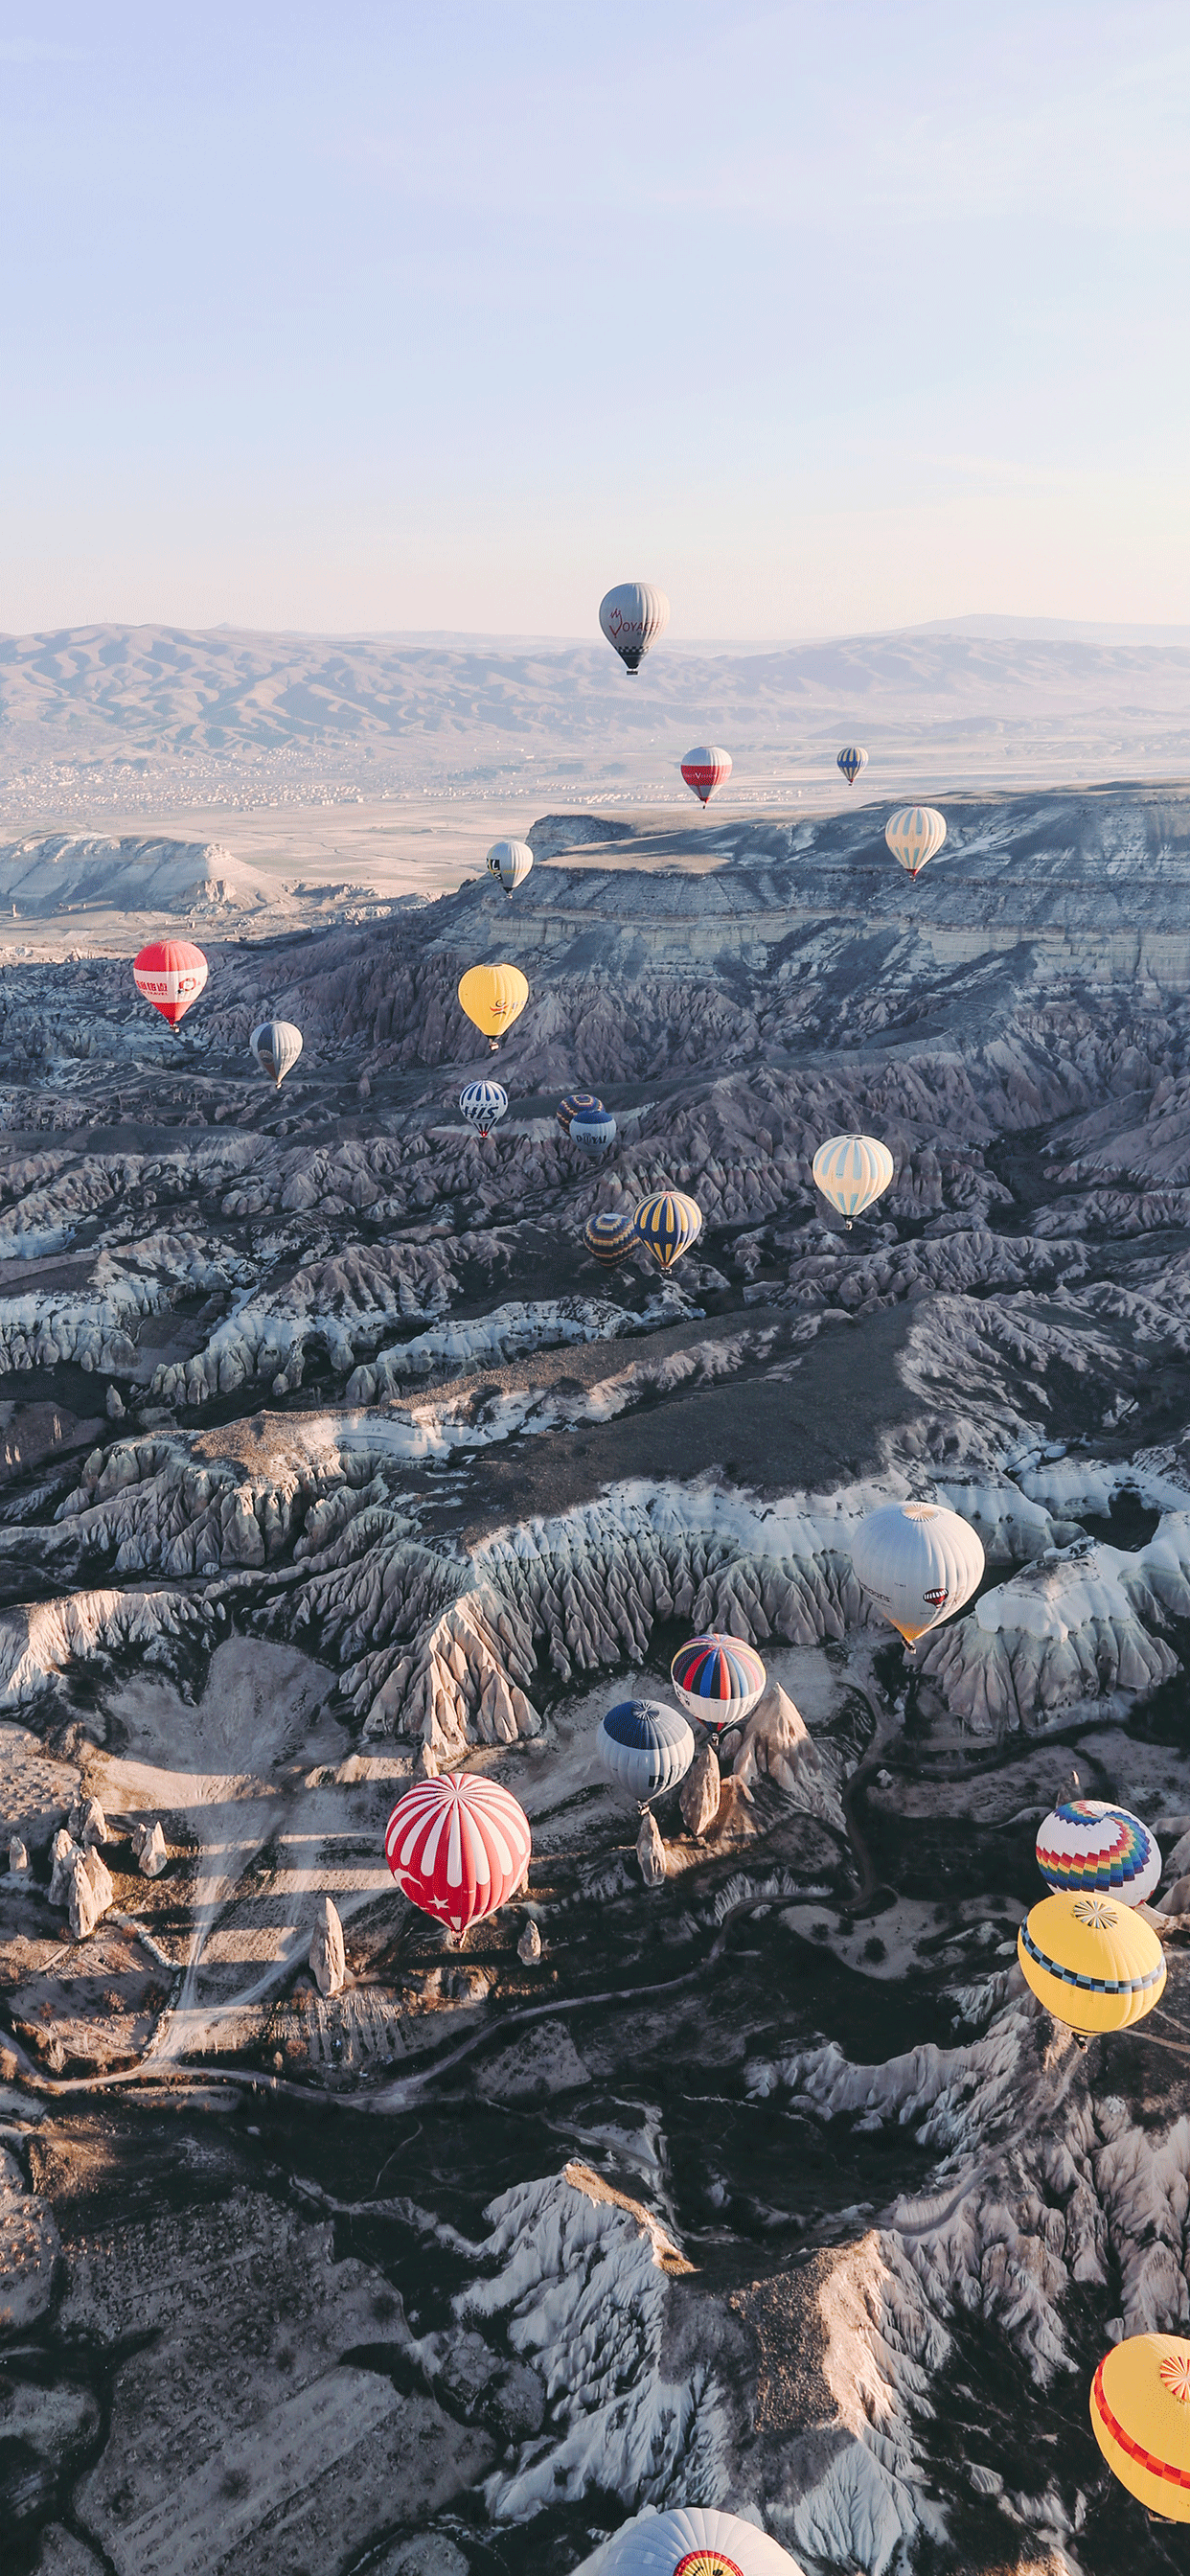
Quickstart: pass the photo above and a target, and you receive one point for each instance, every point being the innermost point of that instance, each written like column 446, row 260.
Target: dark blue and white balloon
column 483, row 1104
column 592, row 1130
column 645, row 1748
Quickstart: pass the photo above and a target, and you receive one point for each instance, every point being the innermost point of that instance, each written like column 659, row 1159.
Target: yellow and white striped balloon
column 852, row 1171
column 915, row 835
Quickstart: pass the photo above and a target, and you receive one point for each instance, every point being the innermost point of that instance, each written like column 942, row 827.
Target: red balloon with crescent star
column 458, row 1846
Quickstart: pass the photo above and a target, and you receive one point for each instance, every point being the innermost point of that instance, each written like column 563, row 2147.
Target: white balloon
column 511, row 862
column 699, row 2540
column 852, row 1171
column 919, row 1562
column 915, row 834
column 632, row 616
column 276, row 1045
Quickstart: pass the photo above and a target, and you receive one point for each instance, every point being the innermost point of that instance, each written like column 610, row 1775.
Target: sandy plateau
column 323, row 1446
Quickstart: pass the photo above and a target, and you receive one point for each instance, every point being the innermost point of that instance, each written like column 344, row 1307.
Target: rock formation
column 650, row 1851
column 699, row 1794
column 326, row 1949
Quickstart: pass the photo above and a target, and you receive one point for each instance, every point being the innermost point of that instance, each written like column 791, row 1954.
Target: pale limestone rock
column 1177, row 1901
column 699, row 1796
column 115, row 1404
column 18, row 1857
column 528, row 1948
column 426, row 1766
column 91, row 1893
column 776, row 1741
column 64, row 1852
column 88, row 1824
column 650, row 1850
column 326, row 1949
column 148, row 1842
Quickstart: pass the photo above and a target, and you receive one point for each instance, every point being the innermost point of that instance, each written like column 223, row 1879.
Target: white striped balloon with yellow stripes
column 852, row 1171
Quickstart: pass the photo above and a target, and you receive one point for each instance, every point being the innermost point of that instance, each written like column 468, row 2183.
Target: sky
column 828, row 317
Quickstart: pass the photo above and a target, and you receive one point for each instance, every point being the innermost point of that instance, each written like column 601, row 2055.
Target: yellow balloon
column 1094, row 1963
column 493, row 997
column 1140, row 2416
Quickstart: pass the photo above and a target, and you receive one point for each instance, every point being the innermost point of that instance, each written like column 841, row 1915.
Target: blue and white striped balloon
column 852, row 1171
column 483, row 1104
column 851, row 761
column 645, row 1747
column 915, row 834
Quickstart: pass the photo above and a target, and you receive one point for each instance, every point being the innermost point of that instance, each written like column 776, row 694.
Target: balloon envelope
column 493, row 997
column 511, row 862
column 632, row 616
column 914, row 835
column 695, row 2540
column 851, row 761
column 276, row 1045
column 718, row 1678
column 1093, row 1963
column 611, row 1235
column 483, row 1104
column 1140, row 2416
column 667, row 1226
column 705, row 769
column 170, row 973
column 919, row 1562
column 458, row 1847
column 645, row 1747
column 1093, row 1849
column 575, row 1101
column 852, row 1171
column 593, row 1130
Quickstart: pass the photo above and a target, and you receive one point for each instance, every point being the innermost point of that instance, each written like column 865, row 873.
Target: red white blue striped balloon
column 1093, row 1849
column 718, row 1678
column 458, row 1847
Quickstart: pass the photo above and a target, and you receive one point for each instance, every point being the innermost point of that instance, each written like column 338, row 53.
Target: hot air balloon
column 511, row 862
column 632, row 616
column 705, row 769
column 695, row 2540
column 592, row 1130
column 1093, row 1963
column 458, row 1846
column 852, row 761
column 667, row 1225
column 915, row 835
column 170, row 973
column 570, row 1107
column 646, row 1748
column 1089, row 1849
column 718, row 1679
column 493, row 997
column 919, row 1562
column 611, row 1236
column 483, row 1104
column 1140, row 2417
column 276, row 1045
column 852, row 1171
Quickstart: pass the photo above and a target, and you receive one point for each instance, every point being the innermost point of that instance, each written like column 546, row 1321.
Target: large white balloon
column 919, row 1562
column 852, row 1171
column 696, row 2540
column 511, row 862
column 914, row 835
column 276, row 1045
column 632, row 616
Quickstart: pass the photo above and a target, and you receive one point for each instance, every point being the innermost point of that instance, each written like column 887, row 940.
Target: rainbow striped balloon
column 718, row 1678
column 1085, row 1847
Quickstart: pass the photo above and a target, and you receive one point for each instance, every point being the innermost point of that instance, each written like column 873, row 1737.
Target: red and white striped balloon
column 458, row 1846
column 705, row 769
column 170, row 973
